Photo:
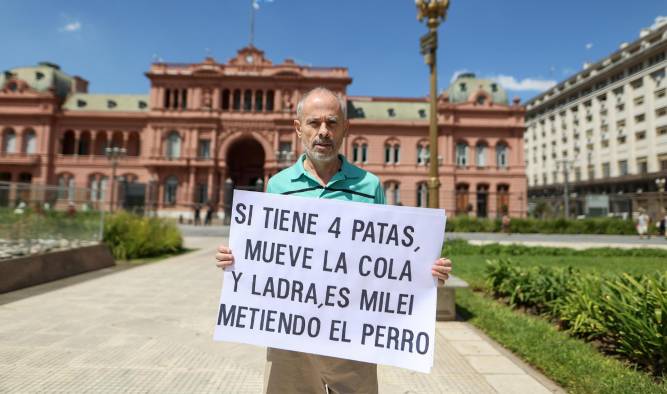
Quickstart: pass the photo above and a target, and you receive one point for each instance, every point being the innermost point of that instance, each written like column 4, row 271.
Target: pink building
column 204, row 124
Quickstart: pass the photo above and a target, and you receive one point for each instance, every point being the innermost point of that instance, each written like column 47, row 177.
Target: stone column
column 277, row 100
column 77, row 141
column 191, row 186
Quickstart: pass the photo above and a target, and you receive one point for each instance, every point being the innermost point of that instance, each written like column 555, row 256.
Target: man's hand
column 224, row 257
column 441, row 269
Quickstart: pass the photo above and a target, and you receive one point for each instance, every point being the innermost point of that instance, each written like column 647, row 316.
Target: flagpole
column 253, row 8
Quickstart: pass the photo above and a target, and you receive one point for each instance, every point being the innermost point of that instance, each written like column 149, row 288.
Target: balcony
column 91, row 159
column 14, row 158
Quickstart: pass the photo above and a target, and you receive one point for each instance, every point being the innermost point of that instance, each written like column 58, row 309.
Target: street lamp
column 113, row 154
column 434, row 12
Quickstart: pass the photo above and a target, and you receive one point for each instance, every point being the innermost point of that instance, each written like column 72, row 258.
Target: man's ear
column 297, row 127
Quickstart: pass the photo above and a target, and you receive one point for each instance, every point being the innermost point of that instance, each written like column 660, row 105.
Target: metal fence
column 39, row 218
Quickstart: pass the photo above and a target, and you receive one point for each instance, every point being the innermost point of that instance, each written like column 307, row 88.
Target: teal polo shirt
column 350, row 183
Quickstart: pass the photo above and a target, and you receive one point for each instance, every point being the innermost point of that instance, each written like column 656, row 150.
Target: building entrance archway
column 245, row 162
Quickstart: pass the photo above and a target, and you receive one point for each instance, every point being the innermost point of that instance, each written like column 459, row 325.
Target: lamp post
column 566, row 163
column 434, row 12
column 113, row 154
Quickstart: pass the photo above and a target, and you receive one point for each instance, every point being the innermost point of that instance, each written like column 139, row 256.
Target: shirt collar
column 347, row 170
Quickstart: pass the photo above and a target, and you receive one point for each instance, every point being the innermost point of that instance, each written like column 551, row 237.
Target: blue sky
column 525, row 43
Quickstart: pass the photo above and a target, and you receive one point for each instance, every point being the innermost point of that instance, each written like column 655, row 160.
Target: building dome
column 43, row 77
column 468, row 83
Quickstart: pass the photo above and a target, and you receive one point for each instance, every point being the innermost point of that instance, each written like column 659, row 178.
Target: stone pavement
column 149, row 329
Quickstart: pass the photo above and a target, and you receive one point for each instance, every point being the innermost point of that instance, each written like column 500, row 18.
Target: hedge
column 611, row 226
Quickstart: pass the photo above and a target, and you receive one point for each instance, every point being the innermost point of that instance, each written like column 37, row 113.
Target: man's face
column 321, row 127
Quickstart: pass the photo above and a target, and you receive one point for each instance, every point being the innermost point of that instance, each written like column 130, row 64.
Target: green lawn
column 574, row 364
column 471, row 268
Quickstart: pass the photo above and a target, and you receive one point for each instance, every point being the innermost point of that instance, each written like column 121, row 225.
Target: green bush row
column 130, row 236
column 614, row 226
column 454, row 247
column 626, row 314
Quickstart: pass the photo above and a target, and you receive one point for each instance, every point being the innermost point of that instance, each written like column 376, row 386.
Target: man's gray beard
column 318, row 157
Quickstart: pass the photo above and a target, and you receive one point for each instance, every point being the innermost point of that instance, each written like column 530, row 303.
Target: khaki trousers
column 294, row 372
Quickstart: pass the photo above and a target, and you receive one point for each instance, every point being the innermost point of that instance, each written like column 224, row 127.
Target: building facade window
column 502, row 199
column 480, row 155
column 392, row 193
column 173, row 145
column 423, row 153
column 622, row 167
column 461, row 154
column 392, row 153
column 462, row 198
column 29, row 142
column 642, row 165
column 364, row 153
column 422, row 194
column 502, row 155
column 170, row 190
column 9, row 141
column 204, row 149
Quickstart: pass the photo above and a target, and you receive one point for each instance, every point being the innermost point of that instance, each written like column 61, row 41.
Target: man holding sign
column 321, row 172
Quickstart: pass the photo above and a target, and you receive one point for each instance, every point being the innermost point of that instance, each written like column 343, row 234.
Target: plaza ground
column 149, row 329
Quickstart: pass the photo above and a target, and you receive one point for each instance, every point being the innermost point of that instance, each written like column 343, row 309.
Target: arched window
column 98, row 187
column 259, row 96
column 501, row 155
column 9, row 141
column 29, row 142
column 237, row 100
column 360, row 150
column 423, row 153
column 392, row 193
column 502, row 199
column 392, row 152
column 480, row 155
column 170, row 190
column 225, row 100
column 461, row 154
column 68, row 143
column 66, row 187
column 482, row 200
column 173, row 145
column 461, row 198
column 422, row 194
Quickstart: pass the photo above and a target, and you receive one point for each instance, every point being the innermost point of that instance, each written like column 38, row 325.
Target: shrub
column 627, row 314
column 130, row 236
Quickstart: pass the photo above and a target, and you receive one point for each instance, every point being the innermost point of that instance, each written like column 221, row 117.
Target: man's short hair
column 321, row 89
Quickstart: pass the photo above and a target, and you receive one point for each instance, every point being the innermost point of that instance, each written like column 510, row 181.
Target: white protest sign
column 331, row 277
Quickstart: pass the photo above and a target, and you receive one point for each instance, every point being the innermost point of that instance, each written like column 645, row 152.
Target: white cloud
column 589, row 45
column 511, row 83
column 71, row 27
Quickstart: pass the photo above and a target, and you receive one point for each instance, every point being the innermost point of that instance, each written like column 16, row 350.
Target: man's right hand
column 224, row 257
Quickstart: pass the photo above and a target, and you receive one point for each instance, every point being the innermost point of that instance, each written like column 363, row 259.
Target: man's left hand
column 441, row 269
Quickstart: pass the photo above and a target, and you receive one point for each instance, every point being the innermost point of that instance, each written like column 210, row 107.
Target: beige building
column 602, row 133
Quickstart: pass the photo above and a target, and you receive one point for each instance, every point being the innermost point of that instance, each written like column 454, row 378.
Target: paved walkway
column 149, row 329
